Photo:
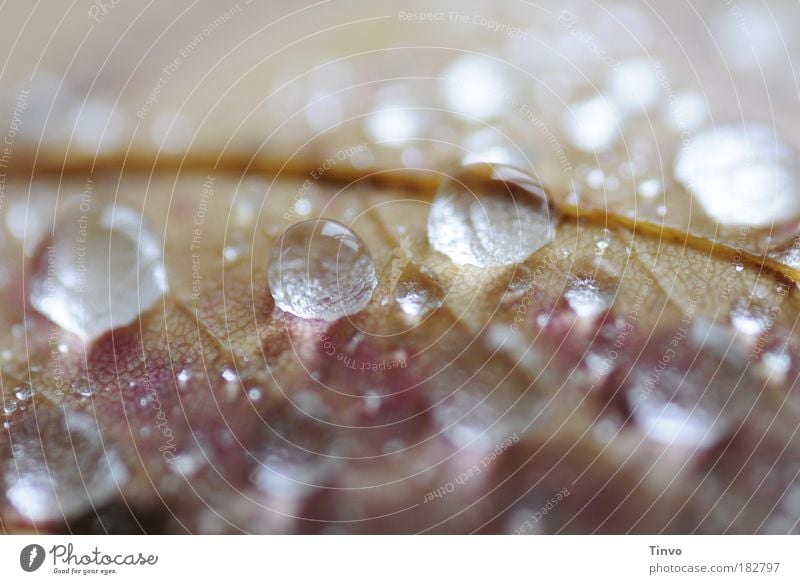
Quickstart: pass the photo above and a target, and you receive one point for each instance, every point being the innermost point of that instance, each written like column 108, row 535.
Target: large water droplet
column 321, row 269
column 98, row 271
column 60, row 468
column 741, row 176
column 489, row 215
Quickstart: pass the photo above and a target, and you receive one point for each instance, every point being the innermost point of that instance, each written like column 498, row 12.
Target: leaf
column 514, row 404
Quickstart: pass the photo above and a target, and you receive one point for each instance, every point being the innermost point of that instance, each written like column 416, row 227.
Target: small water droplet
column 9, row 408
column 61, row 468
column 687, row 112
column 489, row 215
column 749, row 319
column 231, row 253
column 85, row 387
column 303, row 207
column 393, row 124
column 593, row 125
column 99, row 271
column 777, row 365
column 474, row 86
column 184, row 376
column 254, row 393
column 188, row 463
column 320, row 269
column 650, row 188
column 583, row 296
column 418, row 294
column 741, row 176
column 24, row 392
column 634, row 84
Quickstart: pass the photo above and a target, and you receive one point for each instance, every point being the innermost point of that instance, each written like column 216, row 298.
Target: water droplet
column 61, row 468
column 85, row 387
column 188, row 463
column 183, row 377
column 474, row 87
column 489, row 215
column 24, row 392
column 320, row 269
column 634, row 84
column 750, row 319
column 595, row 178
column 303, row 207
column 687, row 112
column 230, row 376
column 650, row 188
column 254, row 393
column 583, row 296
column 98, row 272
column 418, row 294
column 231, row 253
column 692, row 394
column 741, row 176
column 9, row 408
column 777, row 365
column 593, row 125
column 393, row 124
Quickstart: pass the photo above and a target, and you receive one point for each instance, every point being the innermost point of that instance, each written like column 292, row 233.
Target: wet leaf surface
column 636, row 373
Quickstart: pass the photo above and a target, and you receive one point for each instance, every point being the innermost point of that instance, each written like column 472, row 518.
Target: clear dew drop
column 183, row 377
column 99, row 271
column 691, row 396
column 85, row 387
column 24, row 392
column 650, row 188
column 474, row 87
column 393, row 124
column 489, row 215
column 634, row 84
column 230, row 376
column 749, row 319
column 584, row 297
column 9, row 408
column 741, row 175
column 593, row 125
column 61, row 468
column 417, row 294
column 686, row 112
column 321, row 269
column 776, row 365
